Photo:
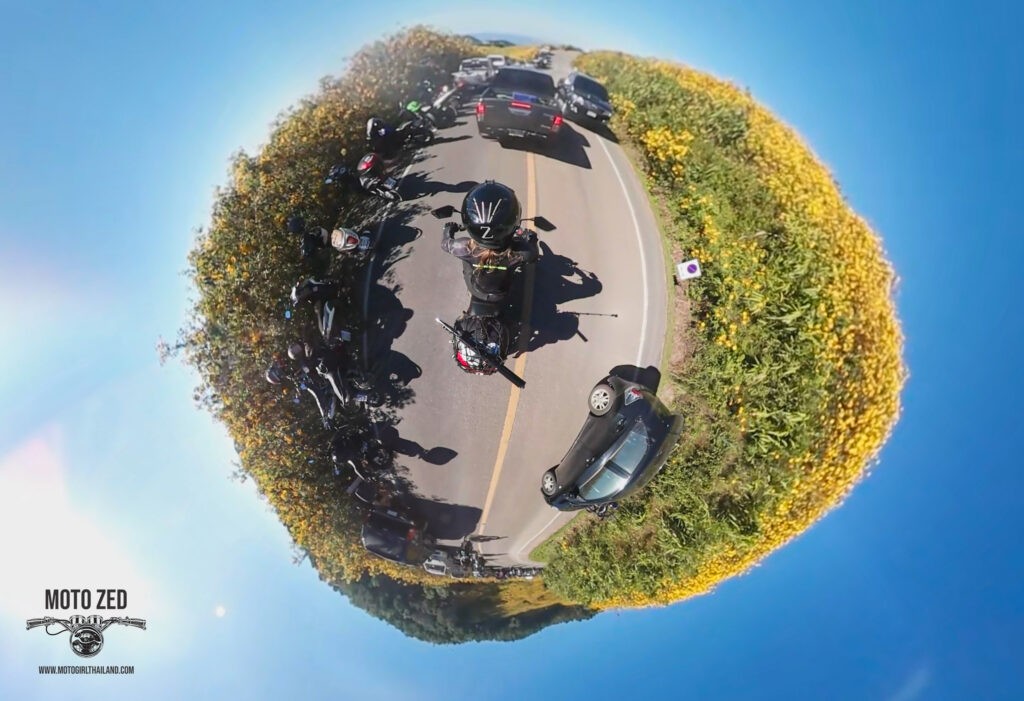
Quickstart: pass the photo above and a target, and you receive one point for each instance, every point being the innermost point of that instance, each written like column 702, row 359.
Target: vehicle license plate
column 592, row 114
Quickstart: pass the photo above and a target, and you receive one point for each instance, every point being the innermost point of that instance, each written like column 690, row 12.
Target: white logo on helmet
column 485, row 211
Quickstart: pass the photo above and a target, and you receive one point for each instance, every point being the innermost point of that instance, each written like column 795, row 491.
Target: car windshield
column 632, row 451
column 619, row 468
column 539, row 84
column 604, row 484
column 474, row 65
column 586, row 86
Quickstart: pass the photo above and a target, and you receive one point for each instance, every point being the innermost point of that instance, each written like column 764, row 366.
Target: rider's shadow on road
column 447, row 521
column 392, row 247
column 558, row 280
column 438, row 455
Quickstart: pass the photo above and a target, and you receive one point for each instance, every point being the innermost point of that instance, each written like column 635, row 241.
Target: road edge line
column 640, row 245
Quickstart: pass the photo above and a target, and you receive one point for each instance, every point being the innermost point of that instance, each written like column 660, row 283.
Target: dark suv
column 581, row 97
column 396, row 536
column 623, row 444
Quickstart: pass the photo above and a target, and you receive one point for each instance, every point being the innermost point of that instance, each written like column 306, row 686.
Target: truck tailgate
column 516, row 114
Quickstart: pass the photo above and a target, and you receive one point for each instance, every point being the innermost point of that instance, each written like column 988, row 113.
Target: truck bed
column 521, row 103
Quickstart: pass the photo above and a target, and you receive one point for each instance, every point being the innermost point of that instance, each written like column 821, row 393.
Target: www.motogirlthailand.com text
column 86, row 669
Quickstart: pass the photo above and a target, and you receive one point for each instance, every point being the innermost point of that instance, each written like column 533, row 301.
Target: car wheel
column 549, row 483
column 601, row 399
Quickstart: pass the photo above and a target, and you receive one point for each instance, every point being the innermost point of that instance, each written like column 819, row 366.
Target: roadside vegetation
column 243, row 265
column 788, row 369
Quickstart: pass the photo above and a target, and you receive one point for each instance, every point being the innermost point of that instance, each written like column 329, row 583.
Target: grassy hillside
column 790, row 373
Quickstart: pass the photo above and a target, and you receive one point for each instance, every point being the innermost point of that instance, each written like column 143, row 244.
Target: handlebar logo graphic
column 86, row 637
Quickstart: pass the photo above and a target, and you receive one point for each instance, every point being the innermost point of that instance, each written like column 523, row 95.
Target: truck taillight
column 556, row 122
column 480, row 109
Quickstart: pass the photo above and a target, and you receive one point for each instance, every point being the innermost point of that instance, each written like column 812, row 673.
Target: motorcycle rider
column 384, row 139
column 313, row 239
column 491, row 213
column 314, row 290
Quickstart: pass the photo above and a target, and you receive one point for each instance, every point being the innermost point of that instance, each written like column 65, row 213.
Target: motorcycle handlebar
column 135, row 622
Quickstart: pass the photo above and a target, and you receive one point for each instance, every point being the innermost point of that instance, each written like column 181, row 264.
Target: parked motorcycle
column 346, row 243
column 324, row 296
column 368, row 177
column 419, row 123
column 355, row 447
column 441, row 109
column 304, row 380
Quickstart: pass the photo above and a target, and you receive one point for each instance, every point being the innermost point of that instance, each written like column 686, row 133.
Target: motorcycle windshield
column 344, row 239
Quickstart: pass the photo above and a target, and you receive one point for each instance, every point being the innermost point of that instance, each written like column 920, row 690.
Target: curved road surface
column 474, row 447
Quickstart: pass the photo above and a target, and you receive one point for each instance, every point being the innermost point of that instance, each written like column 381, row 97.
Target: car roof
column 385, row 543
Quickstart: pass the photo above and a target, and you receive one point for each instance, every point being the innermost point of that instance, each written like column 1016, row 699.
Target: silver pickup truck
column 519, row 102
column 473, row 75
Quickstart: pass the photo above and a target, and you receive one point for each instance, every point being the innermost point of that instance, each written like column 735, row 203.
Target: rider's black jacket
column 386, row 141
column 489, row 281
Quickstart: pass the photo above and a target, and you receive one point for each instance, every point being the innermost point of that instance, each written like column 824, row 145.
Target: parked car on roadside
column 581, row 98
column 396, row 536
column 623, row 444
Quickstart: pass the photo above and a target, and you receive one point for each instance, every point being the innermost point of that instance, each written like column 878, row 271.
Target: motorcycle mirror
column 444, row 212
column 543, row 224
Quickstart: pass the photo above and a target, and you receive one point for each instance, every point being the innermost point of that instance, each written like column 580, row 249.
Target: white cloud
column 914, row 685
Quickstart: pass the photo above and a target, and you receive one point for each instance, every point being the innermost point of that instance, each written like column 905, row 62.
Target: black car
column 396, row 536
column 623, row 444
column 582, row 97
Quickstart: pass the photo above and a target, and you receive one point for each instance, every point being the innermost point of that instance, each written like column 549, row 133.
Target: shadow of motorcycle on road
column 558, row 280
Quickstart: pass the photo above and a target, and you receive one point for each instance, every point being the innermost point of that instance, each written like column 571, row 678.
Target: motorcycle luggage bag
column 488, row 332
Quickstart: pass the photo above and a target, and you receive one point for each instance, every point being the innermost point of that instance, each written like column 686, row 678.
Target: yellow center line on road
column 520, row 364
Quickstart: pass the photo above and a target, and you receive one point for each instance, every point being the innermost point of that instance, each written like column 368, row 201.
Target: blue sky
column 115, row 126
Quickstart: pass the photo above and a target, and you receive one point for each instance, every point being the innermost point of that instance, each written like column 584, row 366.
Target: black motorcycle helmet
column 302, row 291
column 296, row 225
column 274, row 374
column 373, row 127
column 491, row 214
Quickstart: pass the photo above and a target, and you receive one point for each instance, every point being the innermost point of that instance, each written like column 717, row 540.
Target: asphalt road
column 474, row 447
